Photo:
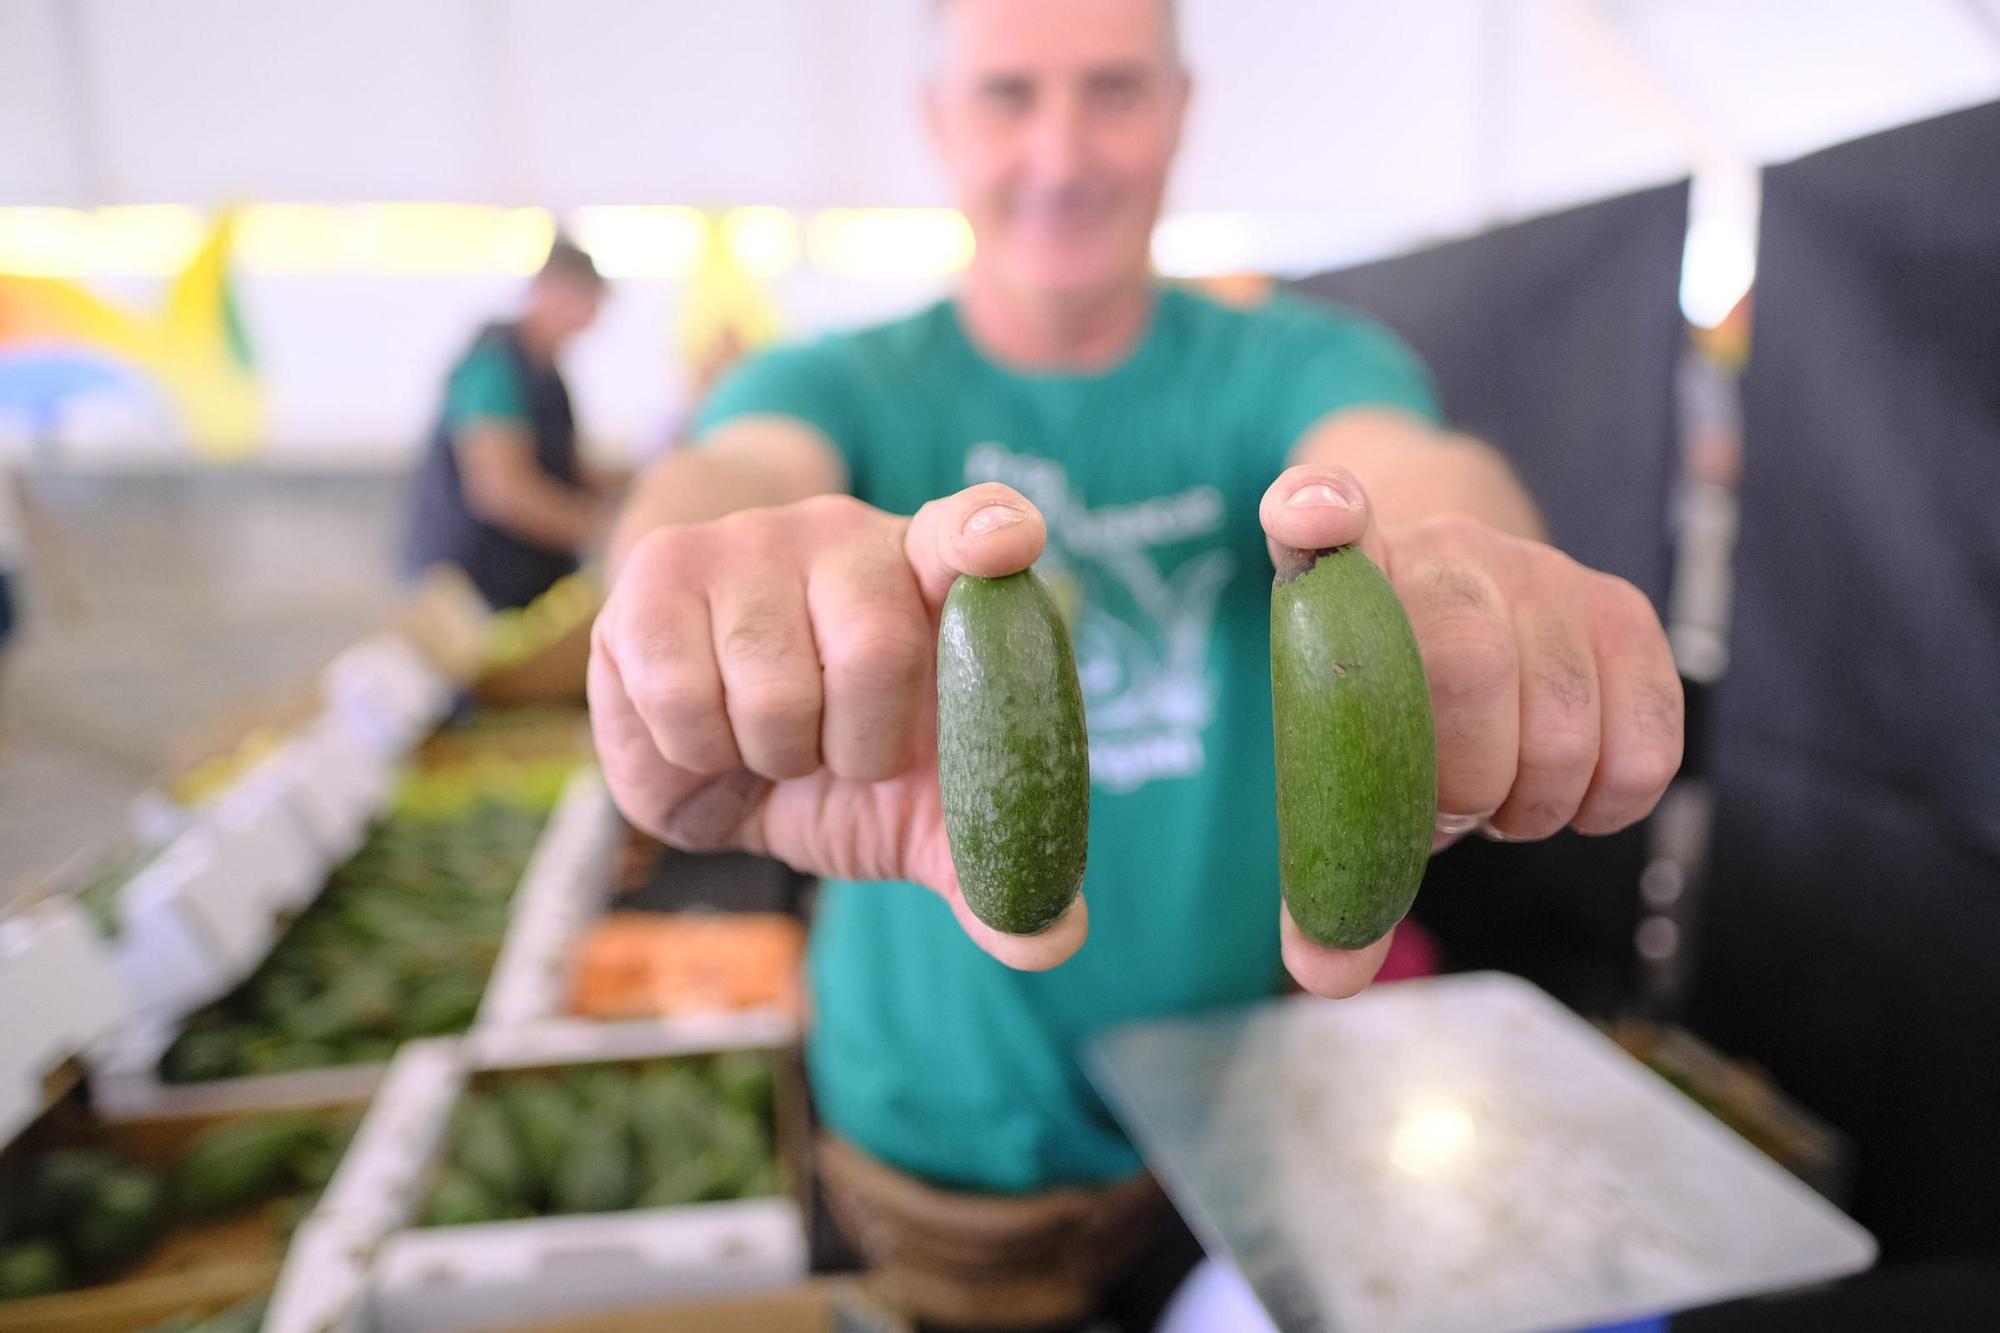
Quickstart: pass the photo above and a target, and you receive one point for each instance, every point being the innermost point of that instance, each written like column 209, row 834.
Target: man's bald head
column 1170, row 26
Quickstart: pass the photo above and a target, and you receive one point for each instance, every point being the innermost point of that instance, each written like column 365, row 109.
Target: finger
column 927, row 860
column 1467, row 641
column 1559, row 723
column 1313, row 508
column 769, row 664
column 1643, row 713
column 662, row 650
column 693, row 811
column 1333, row 974
column 1026, row 953
column 988, row 530
column 876, row 650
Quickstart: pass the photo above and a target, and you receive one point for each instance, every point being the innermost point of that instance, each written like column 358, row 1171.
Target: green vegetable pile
column 397, row 945
column 76, row 1216
column 605, row 1138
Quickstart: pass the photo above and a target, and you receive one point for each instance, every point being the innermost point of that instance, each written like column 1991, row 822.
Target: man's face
column 570, row 304
column 1057, row 121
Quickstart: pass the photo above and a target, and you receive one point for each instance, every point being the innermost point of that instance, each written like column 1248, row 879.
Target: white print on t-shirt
column 1148, row 693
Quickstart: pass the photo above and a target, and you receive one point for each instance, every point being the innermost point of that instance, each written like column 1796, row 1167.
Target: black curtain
column 1852, row 934
column 1555, row 340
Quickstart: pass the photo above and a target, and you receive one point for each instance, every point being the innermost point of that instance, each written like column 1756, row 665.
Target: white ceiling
column 1387, row 123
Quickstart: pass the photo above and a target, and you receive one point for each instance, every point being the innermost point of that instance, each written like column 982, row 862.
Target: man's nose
column 1057, row 141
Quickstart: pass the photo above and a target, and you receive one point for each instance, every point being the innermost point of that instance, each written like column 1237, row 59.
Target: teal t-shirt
column 485, row 387
column 923, row 1050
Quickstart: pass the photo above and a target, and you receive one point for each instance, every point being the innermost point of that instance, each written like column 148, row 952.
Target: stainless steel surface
column 1456, row 1154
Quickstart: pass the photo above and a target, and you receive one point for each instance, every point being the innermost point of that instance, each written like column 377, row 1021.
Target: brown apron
column 987, row 1260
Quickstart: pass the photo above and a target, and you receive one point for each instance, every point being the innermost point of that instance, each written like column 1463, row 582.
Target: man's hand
column 1555, row 695
column 766, row 681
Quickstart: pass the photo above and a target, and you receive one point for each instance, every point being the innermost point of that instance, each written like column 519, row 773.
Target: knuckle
column 887, row 654
column 1561, row 677
column 678, row 700
column 1469, row 664
column 834, row 510
column 1558, row 750
column 1638, row 775
column 1449, row 589
column 667, row 552
column 763, row 633
column 783, row 702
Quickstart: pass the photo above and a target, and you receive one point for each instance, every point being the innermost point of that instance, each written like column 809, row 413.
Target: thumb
column 988, row 530
column 1315, row 508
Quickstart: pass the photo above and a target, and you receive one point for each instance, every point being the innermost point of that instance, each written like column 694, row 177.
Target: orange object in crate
column 643, row 965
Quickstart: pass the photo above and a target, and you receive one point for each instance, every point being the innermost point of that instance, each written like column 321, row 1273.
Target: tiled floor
column 173, row 600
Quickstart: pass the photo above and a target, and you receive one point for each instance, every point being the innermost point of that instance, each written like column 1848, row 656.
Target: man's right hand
column 767, row 681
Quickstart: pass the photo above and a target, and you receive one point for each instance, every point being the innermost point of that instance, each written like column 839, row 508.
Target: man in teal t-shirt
column 1148, row 475
column 761, row 674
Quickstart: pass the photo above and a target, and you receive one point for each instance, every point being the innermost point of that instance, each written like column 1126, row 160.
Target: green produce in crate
column 231, row 1165
column 483, row 1147
column 735, row 1155
column 397, row 945
column 1356, row 755
column 58, row 1185
column 673, row 1114
column 118, row 1222
column 460, row 1200
column 543, row 1119
column 604, row 1094
column 603, row 1138
column 596, row 1174
column 744, row 1080
column 31, row 1268
column 363, row 1000
column 443, row 1004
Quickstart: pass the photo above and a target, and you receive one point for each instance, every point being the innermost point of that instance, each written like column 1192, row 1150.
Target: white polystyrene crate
column 310, row 774
column 377, row 1187
column 562, row 890
column 60, row 996
column 259, row 827
column 356, row 768
column 422, row 693
column 443, row 1279
column 386, row 690
column 170, row 958
column 226, row 889
column 126, row 1085
column 323, row 1280
column 474, row 1276
column 583, row 1040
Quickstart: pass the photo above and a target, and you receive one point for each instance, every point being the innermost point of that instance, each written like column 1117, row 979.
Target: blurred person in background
column 762, row 674
column 13, row 557
column 501, row 492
